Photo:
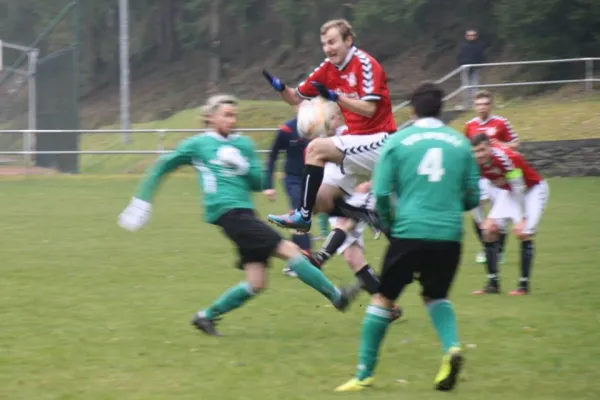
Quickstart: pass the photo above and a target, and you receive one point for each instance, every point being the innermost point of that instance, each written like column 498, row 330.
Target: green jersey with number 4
column 429, row 171
column 224, row 187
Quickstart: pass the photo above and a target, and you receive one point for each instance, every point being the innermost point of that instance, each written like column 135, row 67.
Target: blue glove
column 274, row 81
column 324, row 92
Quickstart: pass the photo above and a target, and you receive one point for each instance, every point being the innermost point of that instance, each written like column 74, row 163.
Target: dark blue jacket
column 287, row 139
column 471, row 52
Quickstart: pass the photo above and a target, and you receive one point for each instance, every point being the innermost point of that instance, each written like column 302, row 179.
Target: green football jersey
column 424, row 179
column 223, row 187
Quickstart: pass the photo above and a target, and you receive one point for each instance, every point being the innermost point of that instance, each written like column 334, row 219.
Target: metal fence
column 165, row 137
column 465, row 86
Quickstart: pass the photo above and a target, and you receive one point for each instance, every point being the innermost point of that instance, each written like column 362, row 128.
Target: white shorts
column 360, row 155
column 355, row 236
column 488, row 191
column 506, row 207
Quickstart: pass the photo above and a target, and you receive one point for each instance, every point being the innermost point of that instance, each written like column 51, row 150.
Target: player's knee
column 433, row 294
column 355, row 258
column 256, row 276
column 490, row 230
column 380, row 300
column 345, row 224
column 288, row 250
column 364, row 187
column 315, row 150
column 321, row 150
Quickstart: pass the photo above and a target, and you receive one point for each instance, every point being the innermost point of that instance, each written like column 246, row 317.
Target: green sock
column 374, row 326
column 314, row 278
column 324, row 224
column 230, row 300
column 444, row 321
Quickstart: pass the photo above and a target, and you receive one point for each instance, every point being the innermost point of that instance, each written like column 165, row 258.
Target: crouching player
column 522, row 199
column 424, row 180
column 229, row 170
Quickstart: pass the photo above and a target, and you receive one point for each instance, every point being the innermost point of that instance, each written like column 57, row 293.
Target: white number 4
column 432, row 165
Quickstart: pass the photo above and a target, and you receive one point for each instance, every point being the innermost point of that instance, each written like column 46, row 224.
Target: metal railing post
column 589, row 74
column 160, row 133
column 464, row 85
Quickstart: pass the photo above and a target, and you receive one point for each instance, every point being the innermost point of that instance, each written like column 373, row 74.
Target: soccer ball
column 315, row 116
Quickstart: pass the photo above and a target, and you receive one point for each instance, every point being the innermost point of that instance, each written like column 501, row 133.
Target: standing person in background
column 499, row 130
column 471, row 52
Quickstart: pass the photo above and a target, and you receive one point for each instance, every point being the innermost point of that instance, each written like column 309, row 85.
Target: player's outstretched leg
column 313, row 277
column 236, row 296
column 318, row 152
column 351, row 247
column 443, row 319
column 303, row 241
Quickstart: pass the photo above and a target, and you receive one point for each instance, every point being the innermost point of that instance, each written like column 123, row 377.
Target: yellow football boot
column 354, row 385
column 452, row 363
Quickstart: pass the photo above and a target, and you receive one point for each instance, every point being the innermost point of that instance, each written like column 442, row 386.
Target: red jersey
column 360, row 77
column 504, row 161
column 495, row 127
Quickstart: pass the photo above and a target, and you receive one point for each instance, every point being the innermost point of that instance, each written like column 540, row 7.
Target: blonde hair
column 342, row 26
column 214, row 102
column 483, row 94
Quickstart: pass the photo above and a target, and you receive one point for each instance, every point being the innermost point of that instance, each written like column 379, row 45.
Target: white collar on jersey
column 429, row 122
column 484, row 121
column 218, row 136
column 349, row 56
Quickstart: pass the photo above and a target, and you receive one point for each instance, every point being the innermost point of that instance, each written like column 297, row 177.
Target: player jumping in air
column 229, row 170
column 500, row 130
column 288, row 139
column 424, row 180
column 521, row 197
column 357, row 83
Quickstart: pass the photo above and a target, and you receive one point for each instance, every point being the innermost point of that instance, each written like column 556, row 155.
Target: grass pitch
column 93, row 312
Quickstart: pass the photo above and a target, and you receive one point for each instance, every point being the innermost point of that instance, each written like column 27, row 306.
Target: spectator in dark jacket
column 471, row 52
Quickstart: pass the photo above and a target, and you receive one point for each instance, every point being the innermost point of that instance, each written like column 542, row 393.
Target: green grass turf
column 90, row 311
column 534, row 120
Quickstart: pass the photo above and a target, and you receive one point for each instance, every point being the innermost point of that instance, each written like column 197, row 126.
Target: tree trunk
column 214, row 73
column 166, row 30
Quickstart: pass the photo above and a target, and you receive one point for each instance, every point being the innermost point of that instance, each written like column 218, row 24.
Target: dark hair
column 427, row 100
column 480, row 138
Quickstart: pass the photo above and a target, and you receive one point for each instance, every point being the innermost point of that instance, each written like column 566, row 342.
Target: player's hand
column 274, row 81
column 324, row 92
column 364, row 187
column 233, row 158
column 270, row 194
column 519, row 228
column 135, row 215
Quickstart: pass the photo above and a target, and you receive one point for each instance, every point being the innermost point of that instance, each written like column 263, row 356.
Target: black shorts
column 255, row 240
column 433, row 263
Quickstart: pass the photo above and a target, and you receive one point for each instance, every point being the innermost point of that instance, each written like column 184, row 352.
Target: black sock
column 311, row 182
column 501, row 242
column 333, row 242
column 527, row 251
column 478, row 231
column 491, row 253
column 342, row 209
column 368, row 279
